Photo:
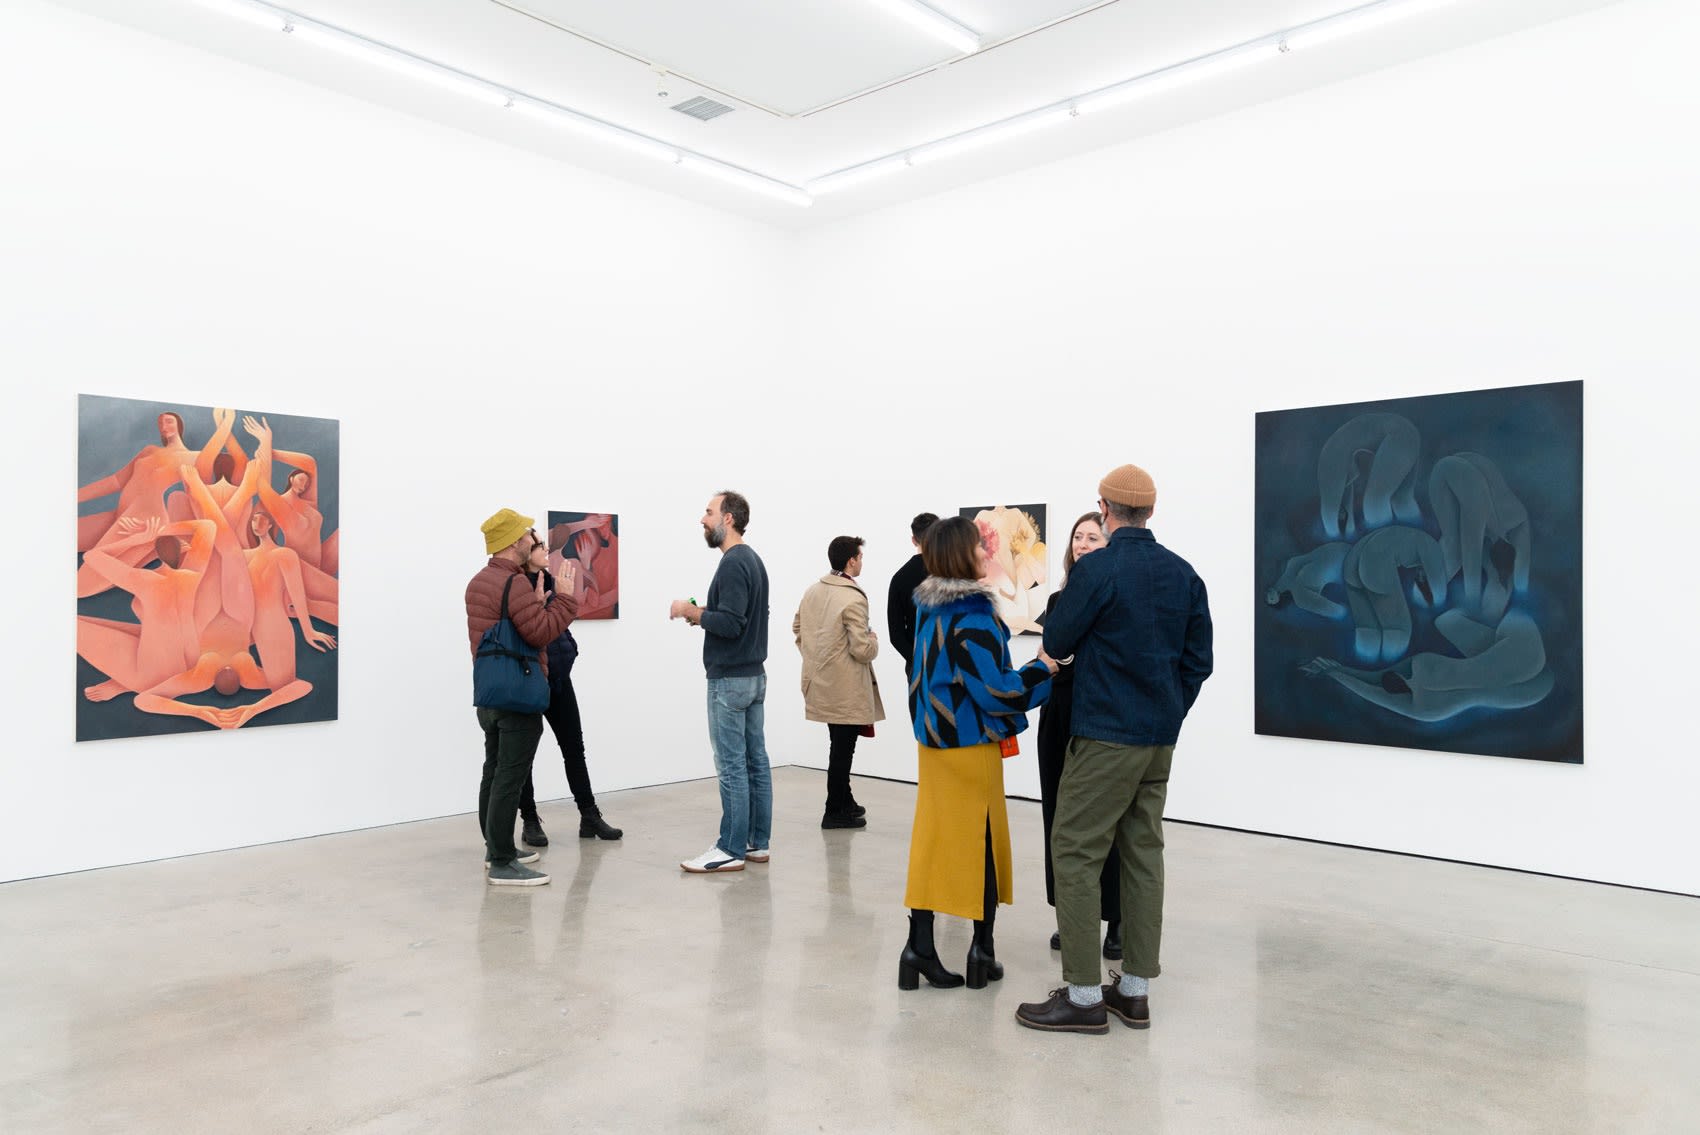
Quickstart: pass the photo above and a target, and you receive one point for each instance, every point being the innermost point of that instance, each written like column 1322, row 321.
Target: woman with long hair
column 1086, row 536
column 968, row 703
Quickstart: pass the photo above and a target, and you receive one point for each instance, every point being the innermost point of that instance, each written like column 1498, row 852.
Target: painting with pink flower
column 592, row 539
column 1013, row 536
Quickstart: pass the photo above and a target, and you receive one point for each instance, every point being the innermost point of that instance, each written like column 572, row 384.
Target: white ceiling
column 842, row 82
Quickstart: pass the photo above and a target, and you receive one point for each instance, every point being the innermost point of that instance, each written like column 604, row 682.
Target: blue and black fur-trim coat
column 963, row 691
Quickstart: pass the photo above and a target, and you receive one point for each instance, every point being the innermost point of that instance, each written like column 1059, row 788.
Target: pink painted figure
column 136, row 656
column 141, row 484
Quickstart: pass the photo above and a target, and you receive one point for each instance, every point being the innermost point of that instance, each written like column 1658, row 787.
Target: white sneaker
column 756, row 854
column 711, row 861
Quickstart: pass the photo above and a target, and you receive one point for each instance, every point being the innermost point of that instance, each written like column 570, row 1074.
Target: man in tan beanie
column 510, row 739
column 1136, row 620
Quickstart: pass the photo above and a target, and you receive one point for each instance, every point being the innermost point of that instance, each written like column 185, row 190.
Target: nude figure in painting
column 296, row 510
column 321, row 586
column 141, row 485
column 135, row 656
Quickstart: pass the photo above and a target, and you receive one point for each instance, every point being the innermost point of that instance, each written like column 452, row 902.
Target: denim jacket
column 1136, row 619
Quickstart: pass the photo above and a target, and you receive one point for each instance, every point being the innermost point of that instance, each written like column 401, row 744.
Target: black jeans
column 840, row 753
column 510, row 743
column 565, row 724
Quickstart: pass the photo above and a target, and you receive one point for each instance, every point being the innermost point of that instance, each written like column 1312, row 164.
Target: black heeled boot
column 591, row 825
column 982, row 965
column 1113, row 941
column 921, row 959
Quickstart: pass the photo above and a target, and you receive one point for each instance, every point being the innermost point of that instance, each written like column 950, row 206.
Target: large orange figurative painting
column 207, row 547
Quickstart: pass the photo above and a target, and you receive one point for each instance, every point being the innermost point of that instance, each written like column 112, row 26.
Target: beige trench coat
column 831, row 629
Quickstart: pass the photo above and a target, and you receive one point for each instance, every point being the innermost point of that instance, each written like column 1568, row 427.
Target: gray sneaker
column 513, row 875
column 522, row 855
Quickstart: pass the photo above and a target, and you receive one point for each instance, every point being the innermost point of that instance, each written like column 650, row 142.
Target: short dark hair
column 842, row 550
column 737, row 506
column 1128, row 513
column 921, row 523
column 950, row 549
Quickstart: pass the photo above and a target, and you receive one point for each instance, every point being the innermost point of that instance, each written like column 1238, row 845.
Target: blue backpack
column 506, row 674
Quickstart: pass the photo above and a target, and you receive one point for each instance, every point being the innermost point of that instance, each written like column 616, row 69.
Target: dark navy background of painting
column 1534, row 435
column 110, row 431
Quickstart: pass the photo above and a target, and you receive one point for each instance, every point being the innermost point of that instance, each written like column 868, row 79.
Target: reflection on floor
column 371, row 982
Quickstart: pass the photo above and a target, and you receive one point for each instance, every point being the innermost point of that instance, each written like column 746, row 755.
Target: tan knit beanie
column 1129, row 485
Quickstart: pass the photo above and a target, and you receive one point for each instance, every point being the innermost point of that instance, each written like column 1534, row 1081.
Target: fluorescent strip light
column 744, row 179
column 597, row 130
column 1180, row 75
column 412, row 66
column 253, row 13
column 988, row 135
column 856, row 175
column 933, row 22
column 1357, row 20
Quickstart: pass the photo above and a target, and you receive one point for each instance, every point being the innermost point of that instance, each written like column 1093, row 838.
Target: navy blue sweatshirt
column 734, row 620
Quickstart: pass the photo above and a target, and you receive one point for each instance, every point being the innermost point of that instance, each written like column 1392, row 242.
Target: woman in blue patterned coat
column 966, row 700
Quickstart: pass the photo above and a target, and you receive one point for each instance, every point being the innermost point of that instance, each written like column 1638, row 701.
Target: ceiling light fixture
column 934, row 22
column 1357, row 20
column 1211, row 66
column 436, row 74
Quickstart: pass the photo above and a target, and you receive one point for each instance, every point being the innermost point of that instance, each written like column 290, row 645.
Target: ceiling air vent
column 702, row 109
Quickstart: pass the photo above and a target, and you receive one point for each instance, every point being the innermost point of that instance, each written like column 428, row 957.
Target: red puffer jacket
column 539, row 623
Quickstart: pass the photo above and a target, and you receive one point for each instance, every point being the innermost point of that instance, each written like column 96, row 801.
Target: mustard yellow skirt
column 960, row 796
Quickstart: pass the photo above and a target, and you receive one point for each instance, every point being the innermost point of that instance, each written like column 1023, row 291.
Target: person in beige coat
column 839, row 688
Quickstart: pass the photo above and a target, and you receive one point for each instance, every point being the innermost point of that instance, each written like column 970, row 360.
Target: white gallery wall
column 492, row 329
column 1520, row 211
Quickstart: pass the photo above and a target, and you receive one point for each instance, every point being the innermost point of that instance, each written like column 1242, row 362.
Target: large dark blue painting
column 1419, row 572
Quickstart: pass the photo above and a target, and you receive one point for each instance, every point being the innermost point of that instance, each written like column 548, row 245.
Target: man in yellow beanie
column 1136, row 620
column 510, row 739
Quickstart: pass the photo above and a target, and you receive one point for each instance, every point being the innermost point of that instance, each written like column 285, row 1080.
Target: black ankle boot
column 591, row 825
column 982, row 966
column 921, row 959
column 532, row 835
column 1113, row 942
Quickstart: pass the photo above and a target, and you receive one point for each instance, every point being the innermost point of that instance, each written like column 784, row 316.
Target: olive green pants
column 1110, row 795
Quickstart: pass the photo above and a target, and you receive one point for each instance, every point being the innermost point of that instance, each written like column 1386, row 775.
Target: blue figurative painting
column 1419, row 572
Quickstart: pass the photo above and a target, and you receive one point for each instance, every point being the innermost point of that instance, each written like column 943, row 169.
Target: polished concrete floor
column 371, row 982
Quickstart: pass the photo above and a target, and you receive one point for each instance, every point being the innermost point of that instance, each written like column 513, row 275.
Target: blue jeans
column 736, row 712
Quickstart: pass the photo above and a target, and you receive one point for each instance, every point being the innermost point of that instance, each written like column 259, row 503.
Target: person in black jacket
column 563, row 718
column 900, row 600
column 1087, row 535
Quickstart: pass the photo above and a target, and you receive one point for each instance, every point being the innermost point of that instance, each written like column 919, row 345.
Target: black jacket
column 900, row 609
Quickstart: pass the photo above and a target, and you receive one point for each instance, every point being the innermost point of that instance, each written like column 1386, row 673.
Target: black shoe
column 1113, row 942
column 921, row 959
column 1058, row 1014
column 591, row 825
column 533, row 835
column 1056, row 940
column 1134, row 1012
column 982, row 966
column 843, row 820
column 856, row 809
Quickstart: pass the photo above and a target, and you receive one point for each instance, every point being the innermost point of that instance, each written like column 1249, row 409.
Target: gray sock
column 1134, row 986
column 1085, row 995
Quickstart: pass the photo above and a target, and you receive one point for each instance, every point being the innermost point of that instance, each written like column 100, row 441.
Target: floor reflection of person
column 967, row 701
column 1087, row 535
column 564, row 722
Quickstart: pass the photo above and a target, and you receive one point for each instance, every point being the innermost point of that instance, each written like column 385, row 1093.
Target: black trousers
column 510, row 743
column 840, row 753
column 563, row 718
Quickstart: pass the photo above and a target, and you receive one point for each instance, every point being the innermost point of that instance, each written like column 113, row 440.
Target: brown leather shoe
column 1060, row 1015
column 1135, row 1012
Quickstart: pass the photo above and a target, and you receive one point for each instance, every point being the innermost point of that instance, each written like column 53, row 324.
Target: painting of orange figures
column 593, row 539
column 207, row 561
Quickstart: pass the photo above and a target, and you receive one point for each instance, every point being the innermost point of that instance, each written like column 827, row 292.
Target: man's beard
column 715, row 536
